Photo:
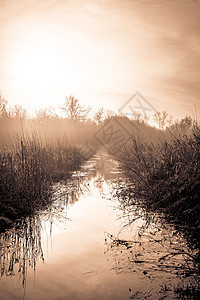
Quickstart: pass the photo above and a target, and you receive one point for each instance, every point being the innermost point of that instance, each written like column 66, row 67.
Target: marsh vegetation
column 35, row 153
column 156, row 185
column 89, row 214
column 165, row 177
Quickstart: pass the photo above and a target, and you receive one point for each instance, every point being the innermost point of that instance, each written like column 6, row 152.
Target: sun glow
column 45, row 68
column 37, row 67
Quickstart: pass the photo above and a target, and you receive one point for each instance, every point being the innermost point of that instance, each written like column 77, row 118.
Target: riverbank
column 27, row 173
column 166, row 178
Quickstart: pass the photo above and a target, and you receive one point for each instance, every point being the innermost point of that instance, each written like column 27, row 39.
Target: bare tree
column 42, row 115
column 99, row 115
column 163, row 119
column 74, row 110
column 3, row 107
column 19, row 113
column 45, row 114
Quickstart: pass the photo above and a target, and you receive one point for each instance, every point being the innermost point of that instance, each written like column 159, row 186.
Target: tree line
column 72, row 110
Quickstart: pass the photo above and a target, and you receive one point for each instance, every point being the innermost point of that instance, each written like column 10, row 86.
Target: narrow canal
column 88, row 245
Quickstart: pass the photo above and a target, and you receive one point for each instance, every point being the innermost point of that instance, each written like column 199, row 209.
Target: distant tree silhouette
column 186, row 123
column 163, row 119
column 46, row 114
column 19, row 113
column 184, row 126
column 42, row 115
column 3, row 107
column 74, row 110
column 99, row 115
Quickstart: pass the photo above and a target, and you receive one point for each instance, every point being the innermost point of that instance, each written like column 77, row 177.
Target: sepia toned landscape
column 99, row 150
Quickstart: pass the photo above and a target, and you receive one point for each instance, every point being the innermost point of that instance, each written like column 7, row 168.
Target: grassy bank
column 166, row 177
column 26, row 174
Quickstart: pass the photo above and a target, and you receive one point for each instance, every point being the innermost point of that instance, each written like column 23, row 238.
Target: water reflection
column 20, row 248
column 140, row 247
column 154, row 249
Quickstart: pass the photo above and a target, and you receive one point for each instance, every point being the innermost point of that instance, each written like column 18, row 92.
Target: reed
column 166, row 177
column 26, row 175
column 21, row 247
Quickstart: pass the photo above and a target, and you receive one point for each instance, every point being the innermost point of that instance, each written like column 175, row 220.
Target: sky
column 102, row 52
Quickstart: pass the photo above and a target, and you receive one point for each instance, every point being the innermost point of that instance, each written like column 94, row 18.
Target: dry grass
column 166, row 177
column 26, row 174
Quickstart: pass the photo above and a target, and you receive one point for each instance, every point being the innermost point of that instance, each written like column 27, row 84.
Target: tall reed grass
column 166, row 177
column 26, row 174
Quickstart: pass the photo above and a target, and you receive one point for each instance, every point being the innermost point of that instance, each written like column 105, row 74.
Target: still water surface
column 86, row 245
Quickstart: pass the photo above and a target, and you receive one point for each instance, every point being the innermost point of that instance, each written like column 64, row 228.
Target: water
column 86, row 245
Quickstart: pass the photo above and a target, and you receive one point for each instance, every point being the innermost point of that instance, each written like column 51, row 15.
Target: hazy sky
column 101, row 52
